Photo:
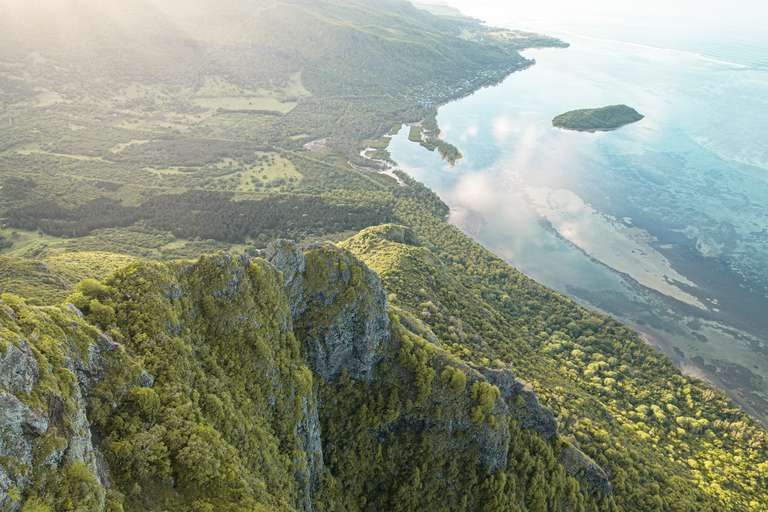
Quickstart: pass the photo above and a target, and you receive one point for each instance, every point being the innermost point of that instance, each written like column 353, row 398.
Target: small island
column 597, row 119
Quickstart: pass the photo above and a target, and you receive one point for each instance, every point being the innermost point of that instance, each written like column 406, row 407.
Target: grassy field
column 121, row 146
column 103, row 251
column 216, row 92
column 75, row 266
column 24, row 241
column 48, row 98
column 33, row 279
column 23, row 149
column 245, row 103
column 329, row 155
column 269, row 171
column 381, row 143
column 138, row 90
column 51, row 279
column 415, row 134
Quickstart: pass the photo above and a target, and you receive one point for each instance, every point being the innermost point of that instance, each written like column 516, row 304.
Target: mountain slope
column 234, row 384
column 300, row 365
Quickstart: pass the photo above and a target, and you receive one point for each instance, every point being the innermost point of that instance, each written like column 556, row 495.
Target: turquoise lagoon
column 662, row 223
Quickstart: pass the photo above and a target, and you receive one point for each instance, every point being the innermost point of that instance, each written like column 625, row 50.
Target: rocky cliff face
column 524, row 408
column 50, row 364
column 338, row 306
column 284, row 383
column 204, row 399
column 523, row 405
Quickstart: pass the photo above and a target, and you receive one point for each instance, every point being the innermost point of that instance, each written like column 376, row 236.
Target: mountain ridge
column 119, row 377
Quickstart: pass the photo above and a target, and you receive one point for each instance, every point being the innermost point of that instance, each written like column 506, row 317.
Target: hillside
column 110, row 112
column 231, row 383
column 271, row 69
column 304, row 381
column 397, row 365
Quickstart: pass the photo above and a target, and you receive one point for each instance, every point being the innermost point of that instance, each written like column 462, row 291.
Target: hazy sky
column 732, row 30
column 750, row 12
column 569, row 15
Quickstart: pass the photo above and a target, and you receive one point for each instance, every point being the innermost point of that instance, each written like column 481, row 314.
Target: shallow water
column 662, row 223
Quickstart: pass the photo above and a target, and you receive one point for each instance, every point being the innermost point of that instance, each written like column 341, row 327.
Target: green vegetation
column 428, row 135
column 415, row 133
column 208, row 429
column 199, row 377
column 623, row 404
column 51, row 279
column 597, row 119
column 662, row 436
column 269, row 78
column 431, row 135
column 33, row 279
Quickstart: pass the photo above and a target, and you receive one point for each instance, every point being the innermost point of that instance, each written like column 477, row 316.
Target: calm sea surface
column 662, row 223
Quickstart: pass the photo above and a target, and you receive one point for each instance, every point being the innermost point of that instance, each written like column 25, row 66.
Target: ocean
column 662, row 223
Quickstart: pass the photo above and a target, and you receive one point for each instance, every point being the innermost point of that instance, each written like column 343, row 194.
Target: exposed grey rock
column 528, row 412
column 90, row 372
column 80, row 447
column 338, row 305
column 74, row 310
column 7, row 310
column 288, row 258
column 585, row 470
column 64, row 417
column 340, row 311
column 146, row 380
column 18, row 369
column 398, row 234
column 455, row 431
column 418, row 327
column 102, row 470
column 308, row 433
column 525, row 409
column 19, row 427
column 172, row 291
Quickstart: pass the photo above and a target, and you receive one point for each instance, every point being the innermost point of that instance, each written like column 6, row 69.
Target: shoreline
column 698, row 345
column 715, row 353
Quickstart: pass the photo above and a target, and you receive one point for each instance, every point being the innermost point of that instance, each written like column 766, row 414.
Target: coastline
column 659, row 340
column 472, row 223
column 725, row 360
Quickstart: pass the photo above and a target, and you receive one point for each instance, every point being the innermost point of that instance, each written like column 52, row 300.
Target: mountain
column 353, row 64
column 296, row 381
column 395, row 366
column 236, row 383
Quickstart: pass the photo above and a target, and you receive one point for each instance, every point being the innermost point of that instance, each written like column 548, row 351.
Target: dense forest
column 163, row 347
column 597, row 119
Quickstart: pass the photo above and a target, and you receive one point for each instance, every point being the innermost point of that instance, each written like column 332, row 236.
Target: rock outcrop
column 42, row 401
column 20, row 428
column 525, row 409
column 338, row 305
column 524, row 406
column 18, row 368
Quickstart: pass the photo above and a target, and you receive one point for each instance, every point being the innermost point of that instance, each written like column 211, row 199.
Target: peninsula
column 597, row 119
